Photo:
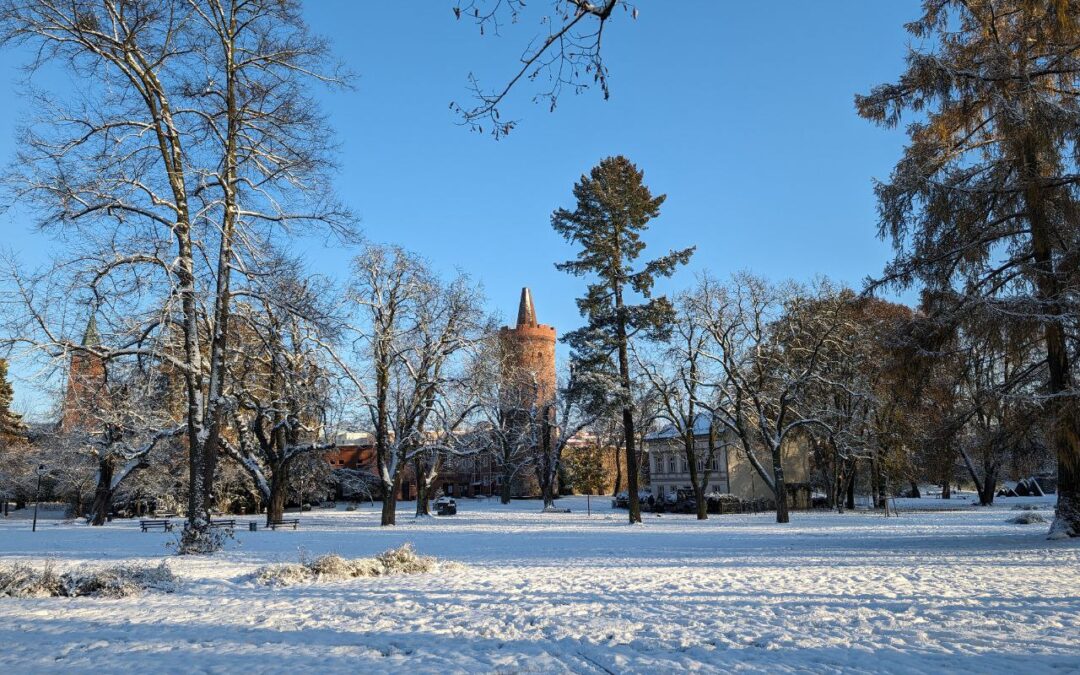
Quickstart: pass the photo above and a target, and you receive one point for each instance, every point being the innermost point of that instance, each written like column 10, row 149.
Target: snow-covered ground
column 932, row 590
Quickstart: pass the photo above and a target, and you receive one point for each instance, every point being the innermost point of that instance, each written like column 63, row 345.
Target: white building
column 730, row 472
column 668, row 470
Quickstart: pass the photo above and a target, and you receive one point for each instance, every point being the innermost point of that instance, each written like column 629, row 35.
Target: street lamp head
column 41, row 468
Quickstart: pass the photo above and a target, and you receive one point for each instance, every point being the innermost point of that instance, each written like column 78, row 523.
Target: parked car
column 622, row 500
column 445, row 506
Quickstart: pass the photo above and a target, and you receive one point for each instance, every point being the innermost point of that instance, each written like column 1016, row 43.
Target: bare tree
column 409, row 330
column 578, row 404
column 188, row 142
column 509, row 408
column 769, row 343
column 567, row 57
column 122, row 434
column 679, row 376
column 278, row 387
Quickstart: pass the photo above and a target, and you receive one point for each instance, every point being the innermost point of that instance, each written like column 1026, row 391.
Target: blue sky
column 741, row 112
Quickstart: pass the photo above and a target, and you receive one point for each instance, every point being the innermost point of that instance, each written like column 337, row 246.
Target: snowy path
column 928, row 591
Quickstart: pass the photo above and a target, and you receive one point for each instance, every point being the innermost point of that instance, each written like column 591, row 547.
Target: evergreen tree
column 614, row 206
column 984, row 201
column 11, row 424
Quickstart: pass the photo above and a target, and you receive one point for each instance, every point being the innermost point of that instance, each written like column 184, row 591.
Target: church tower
column 529, row 349
column 86, row 379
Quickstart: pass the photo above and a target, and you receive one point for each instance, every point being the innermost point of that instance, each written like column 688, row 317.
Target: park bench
column 285, row 522
column 148, row 525
column 227, row 523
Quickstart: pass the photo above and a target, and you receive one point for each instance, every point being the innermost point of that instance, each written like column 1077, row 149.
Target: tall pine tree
column 986, row 199
column 614, row 206
column 11, row 424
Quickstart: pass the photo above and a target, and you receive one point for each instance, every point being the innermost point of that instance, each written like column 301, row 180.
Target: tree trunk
column 549, row 465
column 629, row 438
column 986, row 490
column 219, row 343
column 1065, row 426
column 946, row 490
column 1067, row 515
column 851, row 489
column 877, row 478
column 915, row 492
column 618, row 473
column 631, row 466
column 781, row 487
column 103, row 494
column 547, row 486
column 389, row 503
column 691, row 464
column 422, row 506
column 275, row 503
column 504, row 488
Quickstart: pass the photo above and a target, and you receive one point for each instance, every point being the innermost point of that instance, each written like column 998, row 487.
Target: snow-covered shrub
column 286, row 574
column 333, row 566
column 193, row 542
column 1025, row 507
column 23, row 581
column 405, row 560
column 1028, row 518
column 119, row 581
column 402, row 560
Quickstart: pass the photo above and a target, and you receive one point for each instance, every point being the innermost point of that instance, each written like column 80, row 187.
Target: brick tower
column 86, row 378
column 529, row 350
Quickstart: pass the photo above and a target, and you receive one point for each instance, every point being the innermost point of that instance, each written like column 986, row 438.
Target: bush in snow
column 402, row 560
column 119, row 581
column 1028, row 518
column 333, row 566
column 285, row 574
column 193, row 542
column 1025, row 507
column 23, row 581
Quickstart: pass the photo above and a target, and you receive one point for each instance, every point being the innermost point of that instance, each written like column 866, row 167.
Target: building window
column 671, row 463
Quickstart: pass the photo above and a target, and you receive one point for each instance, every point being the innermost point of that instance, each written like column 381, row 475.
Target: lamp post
column 37, row 495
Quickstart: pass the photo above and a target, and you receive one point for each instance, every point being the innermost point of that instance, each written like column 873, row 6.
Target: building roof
column 701, row 428
column 91, row 337
column 526, row 309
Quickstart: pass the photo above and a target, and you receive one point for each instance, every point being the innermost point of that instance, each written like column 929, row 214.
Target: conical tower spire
column 91, row 337
column 526, row 310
